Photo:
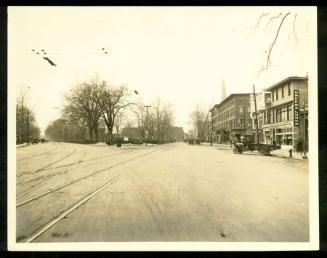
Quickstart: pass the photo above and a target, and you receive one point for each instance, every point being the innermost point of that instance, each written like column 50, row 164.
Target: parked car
column 35, row 141
column 262, row 148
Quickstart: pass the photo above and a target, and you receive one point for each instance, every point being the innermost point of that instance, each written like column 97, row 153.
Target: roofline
column 229, row 96
column 291, row 78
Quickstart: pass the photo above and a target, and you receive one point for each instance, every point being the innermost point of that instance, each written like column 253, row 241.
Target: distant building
column 136, row 133
column 176, row 134
column 287, row 119
column 231, row 118
column 132, row 133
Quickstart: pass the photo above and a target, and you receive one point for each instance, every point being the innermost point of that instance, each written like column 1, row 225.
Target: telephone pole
column 146, row 125
column 256, row 116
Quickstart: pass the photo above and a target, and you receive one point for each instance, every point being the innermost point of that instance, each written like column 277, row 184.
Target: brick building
column 231, row 118
column 286, row 119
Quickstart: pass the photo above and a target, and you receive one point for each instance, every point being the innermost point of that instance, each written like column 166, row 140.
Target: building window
column 277, row 94
column 289, row 113
column 289, row 89
column 272, row 95
column 268, row 117
column 283, row 91
column 241, row 109
column 260, row 122
column 278, row 115
column 284, row 114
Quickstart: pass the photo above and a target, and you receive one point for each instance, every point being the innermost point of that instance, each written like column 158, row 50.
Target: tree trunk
column 96, row 134
column 110, row 135
column 90, row 133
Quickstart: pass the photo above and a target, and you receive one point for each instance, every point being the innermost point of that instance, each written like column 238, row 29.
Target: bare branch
column 293, row 33
column 271, row 19
column 256, row 26
column 275, row 39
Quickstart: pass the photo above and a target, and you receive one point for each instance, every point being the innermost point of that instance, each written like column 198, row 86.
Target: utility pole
column 28, row 127
column 244, row 123
column 146, row 125
column 22, row 129
column 256, row 115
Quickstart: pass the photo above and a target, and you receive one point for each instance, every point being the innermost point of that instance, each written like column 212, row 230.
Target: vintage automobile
column 35, row 141
column 194, row 141
column 262, row 148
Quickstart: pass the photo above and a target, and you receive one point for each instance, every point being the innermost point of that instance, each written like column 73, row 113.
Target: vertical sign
column 296, row 108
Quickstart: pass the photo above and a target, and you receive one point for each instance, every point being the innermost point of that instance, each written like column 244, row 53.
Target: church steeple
column 223, row 94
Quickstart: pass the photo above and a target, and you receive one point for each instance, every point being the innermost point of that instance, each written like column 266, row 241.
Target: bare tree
column 76, row 119
column 82, row 106
column 111, row 101
column 278, row 22
column 161, row 119
column 200, row 120
column 26, row 126
column 158, row 120
column 118, row 122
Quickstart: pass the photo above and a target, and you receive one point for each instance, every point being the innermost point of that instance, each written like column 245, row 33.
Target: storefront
column 267, row 136
column 284, row 136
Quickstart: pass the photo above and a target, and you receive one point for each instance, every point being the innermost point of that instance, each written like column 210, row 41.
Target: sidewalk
column 281, row 153
column 21, row 145
column 284, row 153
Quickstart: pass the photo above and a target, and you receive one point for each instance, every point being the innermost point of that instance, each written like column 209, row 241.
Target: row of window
column 226, row 114
column 282, row 114
column 233, row 124
column 229, row 113
column 281, row 91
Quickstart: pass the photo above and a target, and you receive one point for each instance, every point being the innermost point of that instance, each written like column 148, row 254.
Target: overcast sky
column 180, row 54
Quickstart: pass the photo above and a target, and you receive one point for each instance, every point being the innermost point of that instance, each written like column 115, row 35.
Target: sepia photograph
column 162, row 128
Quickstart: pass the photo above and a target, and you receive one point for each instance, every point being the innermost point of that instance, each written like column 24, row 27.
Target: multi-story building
column 263, row 102
column 231, row 118
column 287, row 116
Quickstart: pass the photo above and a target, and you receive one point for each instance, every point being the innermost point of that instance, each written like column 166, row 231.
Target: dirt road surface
column 174, row 192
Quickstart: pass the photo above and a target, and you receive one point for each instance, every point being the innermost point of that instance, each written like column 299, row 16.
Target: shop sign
column 296, row 108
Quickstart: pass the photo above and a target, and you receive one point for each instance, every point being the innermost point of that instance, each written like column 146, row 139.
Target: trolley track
column 39, row 154
column 46, row 166
column 63, row 214
column 54, row 220
column 71, row 164
column 46, row 169
column 80, row 179
column 47, row 179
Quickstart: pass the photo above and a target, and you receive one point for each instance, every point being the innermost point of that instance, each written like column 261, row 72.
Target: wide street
column 173, row 192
